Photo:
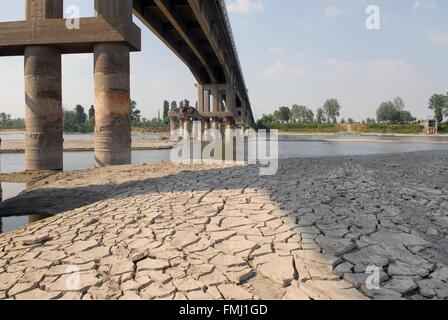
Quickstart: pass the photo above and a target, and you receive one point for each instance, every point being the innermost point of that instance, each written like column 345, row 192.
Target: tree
column 4, row 118
column 166, row 109
column 350, row 121
column 173, row 105
column 186, row 103
column 135, row 113
column 370, row 121
column 332, row 110
column 181, row 104
column 80, row 115
column 438, row 104
column 320, row 116
column 399, row 104
column 406, row 117
column 92, row 113
column 387, row 112
column 267, row 119
column 283, row 114
column 301, row 114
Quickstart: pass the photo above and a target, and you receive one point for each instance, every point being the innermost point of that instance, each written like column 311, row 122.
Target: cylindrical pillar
column 174, row 124
column 43, row 96
column 112, row 104
column 200, row 97
column 206, row 100
column 206, row 124
column 216, row 123
column 187, row 128
column 215, row 99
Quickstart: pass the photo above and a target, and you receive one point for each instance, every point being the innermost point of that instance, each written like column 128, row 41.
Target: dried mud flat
column 168, row 231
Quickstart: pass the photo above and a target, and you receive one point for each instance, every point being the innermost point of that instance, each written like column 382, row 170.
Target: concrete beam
column 15, row 36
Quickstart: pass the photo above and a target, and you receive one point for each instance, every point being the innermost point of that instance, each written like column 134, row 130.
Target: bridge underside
column 197, row 31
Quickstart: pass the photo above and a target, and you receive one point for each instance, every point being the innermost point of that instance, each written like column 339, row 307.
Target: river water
column 289, row 147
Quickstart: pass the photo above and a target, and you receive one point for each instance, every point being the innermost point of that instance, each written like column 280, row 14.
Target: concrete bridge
column 197, row 31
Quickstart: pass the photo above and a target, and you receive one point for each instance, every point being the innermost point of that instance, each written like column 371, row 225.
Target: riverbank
column 167, row 231
column 10, row 146
column 373, row 134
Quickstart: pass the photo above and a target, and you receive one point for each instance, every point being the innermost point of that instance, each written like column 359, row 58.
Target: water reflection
column 10, row 190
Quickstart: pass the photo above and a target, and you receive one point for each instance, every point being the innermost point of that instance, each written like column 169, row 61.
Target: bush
column 392, row 128
column 443, row 128
column 305, row 128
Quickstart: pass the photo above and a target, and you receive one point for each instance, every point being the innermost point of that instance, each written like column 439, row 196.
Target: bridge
column 197, row 31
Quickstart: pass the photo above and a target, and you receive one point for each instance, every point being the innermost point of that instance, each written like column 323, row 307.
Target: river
column 289, row 147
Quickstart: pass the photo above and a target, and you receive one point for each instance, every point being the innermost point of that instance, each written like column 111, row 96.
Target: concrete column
column 243, row 115
column 230, row 98
column 206, row 100
column 43, row 96
column 206, row 124
column 44, row 9
column 216, row 123
column 174, row 124
column 215, row 98
column 112, row 104
column 114, row 9
column 200, row 97
column 187, row 128
column 112, row 91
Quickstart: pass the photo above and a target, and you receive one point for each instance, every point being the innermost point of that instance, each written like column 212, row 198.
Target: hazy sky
column 291, row 51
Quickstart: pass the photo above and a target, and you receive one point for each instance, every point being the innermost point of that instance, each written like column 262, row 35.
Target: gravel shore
column 167, row 231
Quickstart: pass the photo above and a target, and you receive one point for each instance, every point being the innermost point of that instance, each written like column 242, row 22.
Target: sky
column 291, row 51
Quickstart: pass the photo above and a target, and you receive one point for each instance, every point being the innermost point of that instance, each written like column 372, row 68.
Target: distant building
column 431, row 126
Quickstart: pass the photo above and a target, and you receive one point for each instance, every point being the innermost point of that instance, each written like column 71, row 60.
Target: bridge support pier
column 186, row 126
column 174, row 126
column 43, row 90
column 112, row 105
column 216, row 124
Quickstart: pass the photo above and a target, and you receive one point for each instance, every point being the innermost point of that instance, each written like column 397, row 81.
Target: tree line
column 6, row 122
column 388, row 112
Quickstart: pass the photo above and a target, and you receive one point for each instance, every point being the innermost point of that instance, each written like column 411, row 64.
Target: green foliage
column 301, row 114
column 76, row 121
column 305, row 127
column 393, row 112
column 282, row 115
column 6, row 122
column 92, row 113
column 332, row 110
column 135, row 113
column 320, row 116
column 392, row 128
column 443, row 128
column 166, row 110
column 438, row 103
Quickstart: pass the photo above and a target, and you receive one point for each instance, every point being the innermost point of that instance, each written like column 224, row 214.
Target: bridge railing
column 223, row 6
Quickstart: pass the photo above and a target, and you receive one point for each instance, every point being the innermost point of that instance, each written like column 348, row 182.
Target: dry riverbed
column 167, row 231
